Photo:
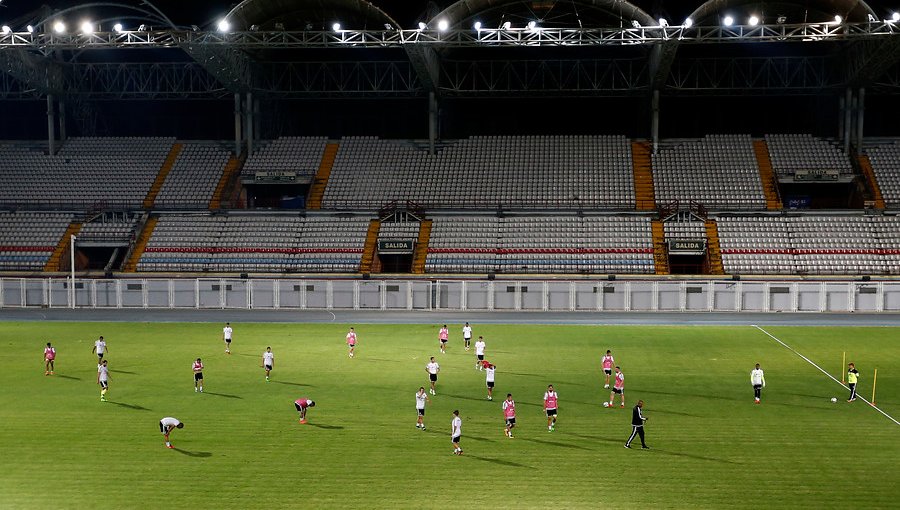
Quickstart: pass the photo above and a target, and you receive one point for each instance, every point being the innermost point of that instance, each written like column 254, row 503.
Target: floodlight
column 663, row 22
column 895, row 16
column 422, row 25
column 688, row 23
column 753, row 21
column 781, row 20
column 507, row 25
column 224, row 25
column 477, row 25
column 871, row 18
column 336, row 27
column 635, row 23
column 838, row 19
column 254, row 28
column 142, row 28
column 87, row 27
column 30, row 29
column 5, row 29
column 388, row 26
column 117, row 27
column 532, row 25
column 728, row 21
column 59, row 27
column 443, row 25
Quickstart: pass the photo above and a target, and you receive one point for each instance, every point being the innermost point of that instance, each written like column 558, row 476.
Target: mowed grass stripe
column 242, row 447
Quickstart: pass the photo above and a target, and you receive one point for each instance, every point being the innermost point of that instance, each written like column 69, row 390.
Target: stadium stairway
column 869, row 173
column 713, row 250
column 232, row 168
column 418, row 265
column 643, row 176
column 62, row 248
column 767, row 175
column 317, row 190
column 161, row 176
column 140, row 245
column 660, row 256
column 368, row 256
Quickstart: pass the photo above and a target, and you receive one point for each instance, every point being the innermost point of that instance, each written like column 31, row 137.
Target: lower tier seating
column 28, row 239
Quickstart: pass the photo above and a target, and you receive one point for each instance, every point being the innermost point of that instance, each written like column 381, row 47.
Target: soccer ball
column 834, row 400
column 606, row 404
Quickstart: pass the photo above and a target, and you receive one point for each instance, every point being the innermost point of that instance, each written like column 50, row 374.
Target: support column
column 248, row 107
column 842, row 106
column 860, row 117
column 848, row 107
column 654, row 120
column 51, row 126
column 237, row 124
column 257, row 119
column 854, row 106
column 433, row 134
column 62, row 122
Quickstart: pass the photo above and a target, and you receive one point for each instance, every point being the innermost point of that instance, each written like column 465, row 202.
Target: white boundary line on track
column 788, row 347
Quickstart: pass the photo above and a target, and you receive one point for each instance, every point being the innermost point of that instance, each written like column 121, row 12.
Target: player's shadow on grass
column 715, row 397
column 223, row 395
column 381, row 359
column 68, row 377
column 595, row 438
column 193, row 454
column 123, row 372
column 294, row 384
column 692, row 456
column 679, row 413
column 473, row 438
column 555, row 443
column 130, row 406
column 325, row 427
column 497, row 461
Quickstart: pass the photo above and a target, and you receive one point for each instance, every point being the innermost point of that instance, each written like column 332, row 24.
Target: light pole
column 72, row 239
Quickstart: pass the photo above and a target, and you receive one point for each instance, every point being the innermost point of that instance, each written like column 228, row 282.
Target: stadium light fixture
column 635, row 23
column 422, row 25
column 30, row 29
column 532, row 25
column 336, row 27
column 59, row 27
column 443, row 25
column 87, row 27
column 753, row 21
column 895, row 17
column 223, row 25
column 838, row 19
column 688, row 23
column 5, row 29
column 728, row 21
column 117, row 27
column 477, row 25
column 663, row 22
column 507, row 25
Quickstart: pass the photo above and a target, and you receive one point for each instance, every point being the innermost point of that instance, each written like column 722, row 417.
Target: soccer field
column 242, row 445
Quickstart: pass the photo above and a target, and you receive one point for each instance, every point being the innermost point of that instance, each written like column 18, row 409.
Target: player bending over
column 421, row 399
column 550, row 397
column 268, row 361
column 167, row 425
column 49, row 358
column 509, row 413
column 302, row 404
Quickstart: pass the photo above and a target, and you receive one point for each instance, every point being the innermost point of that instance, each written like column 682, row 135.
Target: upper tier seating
column 87, row 172
column 111, row 227
column 193, row 179
column 485, row 172
column 301, row 154
column 718, row 171
column 28, row 239
column 818, row 245
column 790, row 153
column 885, row 161
column 271, row 243
column 540, row 244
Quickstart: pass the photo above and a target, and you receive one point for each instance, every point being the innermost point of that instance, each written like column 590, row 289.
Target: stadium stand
column 110, row 227
column 27, row 239
column 288, row 153
column 685, row 227
column 885, row 161
column 817, row 245
column 193, row 178
column 254, row 243
column 399, row 230
column 717, row 171
column 87, row 172
column 540, row 244
column 792, row 152
column 484, row 173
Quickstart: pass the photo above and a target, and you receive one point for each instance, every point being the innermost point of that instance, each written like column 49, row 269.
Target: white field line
column 788, row 347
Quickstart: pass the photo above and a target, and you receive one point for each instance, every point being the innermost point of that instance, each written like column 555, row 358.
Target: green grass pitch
column 242, row 446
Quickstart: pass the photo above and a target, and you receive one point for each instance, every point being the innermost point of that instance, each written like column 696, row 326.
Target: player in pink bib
column 443, row 336
column 550, row 397
column 608, row 363
column 49, row 358
column 351, row 341
column 618, row 388
column 302, row 404
column 509, row 414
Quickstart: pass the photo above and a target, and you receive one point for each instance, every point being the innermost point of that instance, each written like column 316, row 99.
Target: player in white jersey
column 268, row 361
column 489, row 379
column 103, row 379
column 226, row 336
column 456, row 432
column 433, row 369
column 167, row 425
column 99, row 348
column 421, row 399
column 758, row 380
column 479, row 352
column 467, row 335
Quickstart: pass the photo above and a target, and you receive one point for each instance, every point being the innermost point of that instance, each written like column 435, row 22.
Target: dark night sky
column 406, row 118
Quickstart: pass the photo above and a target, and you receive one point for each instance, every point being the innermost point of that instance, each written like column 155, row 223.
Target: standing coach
column 637, row 425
